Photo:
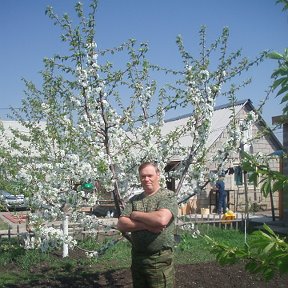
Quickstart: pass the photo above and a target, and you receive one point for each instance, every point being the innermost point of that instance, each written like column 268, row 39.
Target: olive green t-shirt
column 144, row 241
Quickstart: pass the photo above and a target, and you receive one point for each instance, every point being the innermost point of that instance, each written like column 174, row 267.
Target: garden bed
column 203, row 275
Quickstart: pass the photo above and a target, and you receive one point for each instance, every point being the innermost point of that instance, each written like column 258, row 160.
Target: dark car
column 12, row 201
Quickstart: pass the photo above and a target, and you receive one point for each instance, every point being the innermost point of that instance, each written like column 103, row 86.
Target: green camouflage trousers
column 153, row 271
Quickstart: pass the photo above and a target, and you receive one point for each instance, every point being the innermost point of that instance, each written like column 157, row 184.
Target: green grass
column 3, row 225
column 188, row 251
column 196, row 250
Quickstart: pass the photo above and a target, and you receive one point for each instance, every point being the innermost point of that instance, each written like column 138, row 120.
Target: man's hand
column 156, row 229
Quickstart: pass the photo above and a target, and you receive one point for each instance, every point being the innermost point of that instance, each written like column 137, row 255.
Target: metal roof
column 220, row 120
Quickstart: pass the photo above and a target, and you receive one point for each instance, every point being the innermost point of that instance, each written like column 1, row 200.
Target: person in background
column 150, row 217
column 222, row 194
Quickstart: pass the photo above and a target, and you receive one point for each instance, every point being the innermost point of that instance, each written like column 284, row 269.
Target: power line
column 3, row 108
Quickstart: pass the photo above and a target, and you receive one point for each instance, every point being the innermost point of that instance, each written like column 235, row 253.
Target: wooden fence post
column 9, row 232
column 18, row 232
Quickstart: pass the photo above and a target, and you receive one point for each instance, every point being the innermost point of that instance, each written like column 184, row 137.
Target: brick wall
column 237, row 196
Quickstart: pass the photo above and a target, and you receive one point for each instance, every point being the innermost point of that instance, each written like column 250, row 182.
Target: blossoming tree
column 92, row 121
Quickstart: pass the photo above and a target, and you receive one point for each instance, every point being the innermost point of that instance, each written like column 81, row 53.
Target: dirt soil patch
column 200, row 276
column 196, row 275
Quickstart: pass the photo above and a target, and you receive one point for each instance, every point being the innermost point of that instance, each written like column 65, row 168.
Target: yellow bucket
column 229, row 215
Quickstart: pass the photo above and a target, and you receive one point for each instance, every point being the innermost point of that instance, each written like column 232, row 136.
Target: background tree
column 92, row 121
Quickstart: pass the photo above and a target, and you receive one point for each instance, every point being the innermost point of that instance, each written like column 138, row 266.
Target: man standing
column 150, row 217
column 220, row 185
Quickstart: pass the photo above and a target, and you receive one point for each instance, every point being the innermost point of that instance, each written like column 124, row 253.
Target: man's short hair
column 150, row 163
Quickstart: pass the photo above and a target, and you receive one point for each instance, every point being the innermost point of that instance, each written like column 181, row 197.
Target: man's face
column 149, row 179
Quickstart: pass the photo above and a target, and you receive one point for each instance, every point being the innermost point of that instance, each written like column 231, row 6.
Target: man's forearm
column 126, row 224
column 160, row 218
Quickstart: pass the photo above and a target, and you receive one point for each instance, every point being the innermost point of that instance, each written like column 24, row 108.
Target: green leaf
column 268, row 248
column 282, row 90
column 285, row 98
column 241, row 254
column 283, row 265
column 268, row 229
column 265, row 188
column 253, row 177
column 281, row 71
column 268, row 274
column 275, row 55
column 261, row 235
column 279, row 82
column 251, row 267
column 278, row 185
column 285, row 110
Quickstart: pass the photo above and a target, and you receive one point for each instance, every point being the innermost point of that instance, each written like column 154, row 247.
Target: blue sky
column 28, row 35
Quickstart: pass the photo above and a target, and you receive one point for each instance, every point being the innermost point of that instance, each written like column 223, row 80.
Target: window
column 238, row 175
column 239, row 179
